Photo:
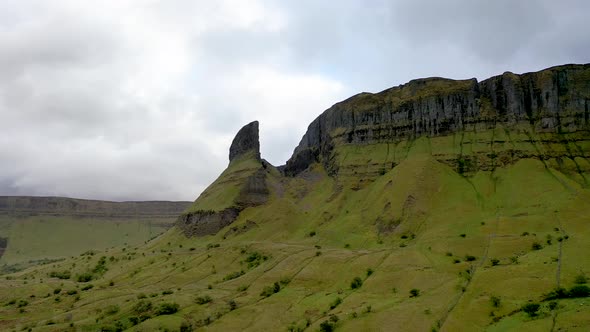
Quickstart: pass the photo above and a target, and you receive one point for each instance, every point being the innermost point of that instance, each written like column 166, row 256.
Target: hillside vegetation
column 483, row 229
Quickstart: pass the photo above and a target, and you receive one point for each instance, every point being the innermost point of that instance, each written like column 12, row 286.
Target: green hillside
column 479, row 229
column 44, row 229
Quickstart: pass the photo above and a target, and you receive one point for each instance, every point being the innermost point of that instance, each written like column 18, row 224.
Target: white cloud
column 128, row 99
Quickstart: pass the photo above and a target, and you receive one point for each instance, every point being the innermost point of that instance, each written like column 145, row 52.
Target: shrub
column 369, row 272
column 57, row 291
column 495, row 301
column 536, row 246
column 335, row 303
column 414, row 292
column 167, row 309
column 111, row 309
column 186, row 327
column 87, row 287
column 72, row 292
column 60, row 274
column 233, row 275
column 232, row 305
column 100, row 267
column 243, row 288
column 167, row 292
column 463, row 235
column 326, row 326
column 312, row 234
column 22, row 303
column 270, row 290
column 143, row 306
column 531, row 309
column 203, row 299
column 579, row 291
column 84, row 277
column 254, row 259
column 449, row 254
column 581, row 279
column 495, row 261
column 557, row 293
column 357, row 282
column 470, row 258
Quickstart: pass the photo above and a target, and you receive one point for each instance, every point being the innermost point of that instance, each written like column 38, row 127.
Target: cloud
column 141, row 99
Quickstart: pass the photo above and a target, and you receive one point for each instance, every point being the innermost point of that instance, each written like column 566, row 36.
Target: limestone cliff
column 471, row 126
column 554, row 101
column 246, row 141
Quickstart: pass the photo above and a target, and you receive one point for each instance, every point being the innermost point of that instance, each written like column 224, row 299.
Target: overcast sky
column 137, row 100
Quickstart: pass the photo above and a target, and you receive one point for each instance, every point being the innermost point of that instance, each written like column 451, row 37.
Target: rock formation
column 468, row 125
column 246, row 141
column 555, row 100
column 240, row 186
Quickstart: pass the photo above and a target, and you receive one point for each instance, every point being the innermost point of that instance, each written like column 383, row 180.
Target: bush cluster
column 574, row 292
column 60, row 274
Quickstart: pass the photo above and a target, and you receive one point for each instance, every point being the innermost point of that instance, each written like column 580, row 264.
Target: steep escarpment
column 241, row 185
column 63, row 206
column 543, row 115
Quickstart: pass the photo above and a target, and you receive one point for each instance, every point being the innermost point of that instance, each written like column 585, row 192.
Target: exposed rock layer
column 30, row 205
column 251, row 183
column 246, row 141
column 555, row 100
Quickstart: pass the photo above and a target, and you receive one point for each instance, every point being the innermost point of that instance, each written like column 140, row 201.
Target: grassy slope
column 222, row 193
column 432, row 206
column 48, row 237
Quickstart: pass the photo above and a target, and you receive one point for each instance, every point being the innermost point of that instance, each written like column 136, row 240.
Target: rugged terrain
column 438, row 205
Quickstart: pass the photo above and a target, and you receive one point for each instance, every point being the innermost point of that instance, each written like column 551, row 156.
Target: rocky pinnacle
column 246, row 141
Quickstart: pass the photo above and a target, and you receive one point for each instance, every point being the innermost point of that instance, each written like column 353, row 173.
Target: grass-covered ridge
column 224, row 191
column 432, row 250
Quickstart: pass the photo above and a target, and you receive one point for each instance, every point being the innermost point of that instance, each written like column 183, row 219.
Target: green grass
column 47, row 237
column 401, row 224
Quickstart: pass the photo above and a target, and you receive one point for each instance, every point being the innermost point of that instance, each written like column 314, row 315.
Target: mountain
column 37, row 229
column 437, row 205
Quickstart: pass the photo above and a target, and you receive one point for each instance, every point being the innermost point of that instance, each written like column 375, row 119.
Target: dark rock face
column 553, row 100
column 254, row 192
column 246, row 140
column 253, row 188
column 206, row 222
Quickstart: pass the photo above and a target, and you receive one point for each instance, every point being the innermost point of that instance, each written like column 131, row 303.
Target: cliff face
column 554, row 101
column 30, row 205
column 471, row 126
column 246, row 141
column 241, row 185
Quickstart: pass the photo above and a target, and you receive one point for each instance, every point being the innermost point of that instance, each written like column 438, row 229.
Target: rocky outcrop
column 206, row 222
column 31, row 205
column 246, row 141
column 201, row 219
column 555, row 100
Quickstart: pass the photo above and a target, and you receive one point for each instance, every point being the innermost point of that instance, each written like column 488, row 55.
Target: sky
column 140, row 100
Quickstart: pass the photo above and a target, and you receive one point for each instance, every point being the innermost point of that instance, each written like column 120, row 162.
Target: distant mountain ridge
column 35, row 205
